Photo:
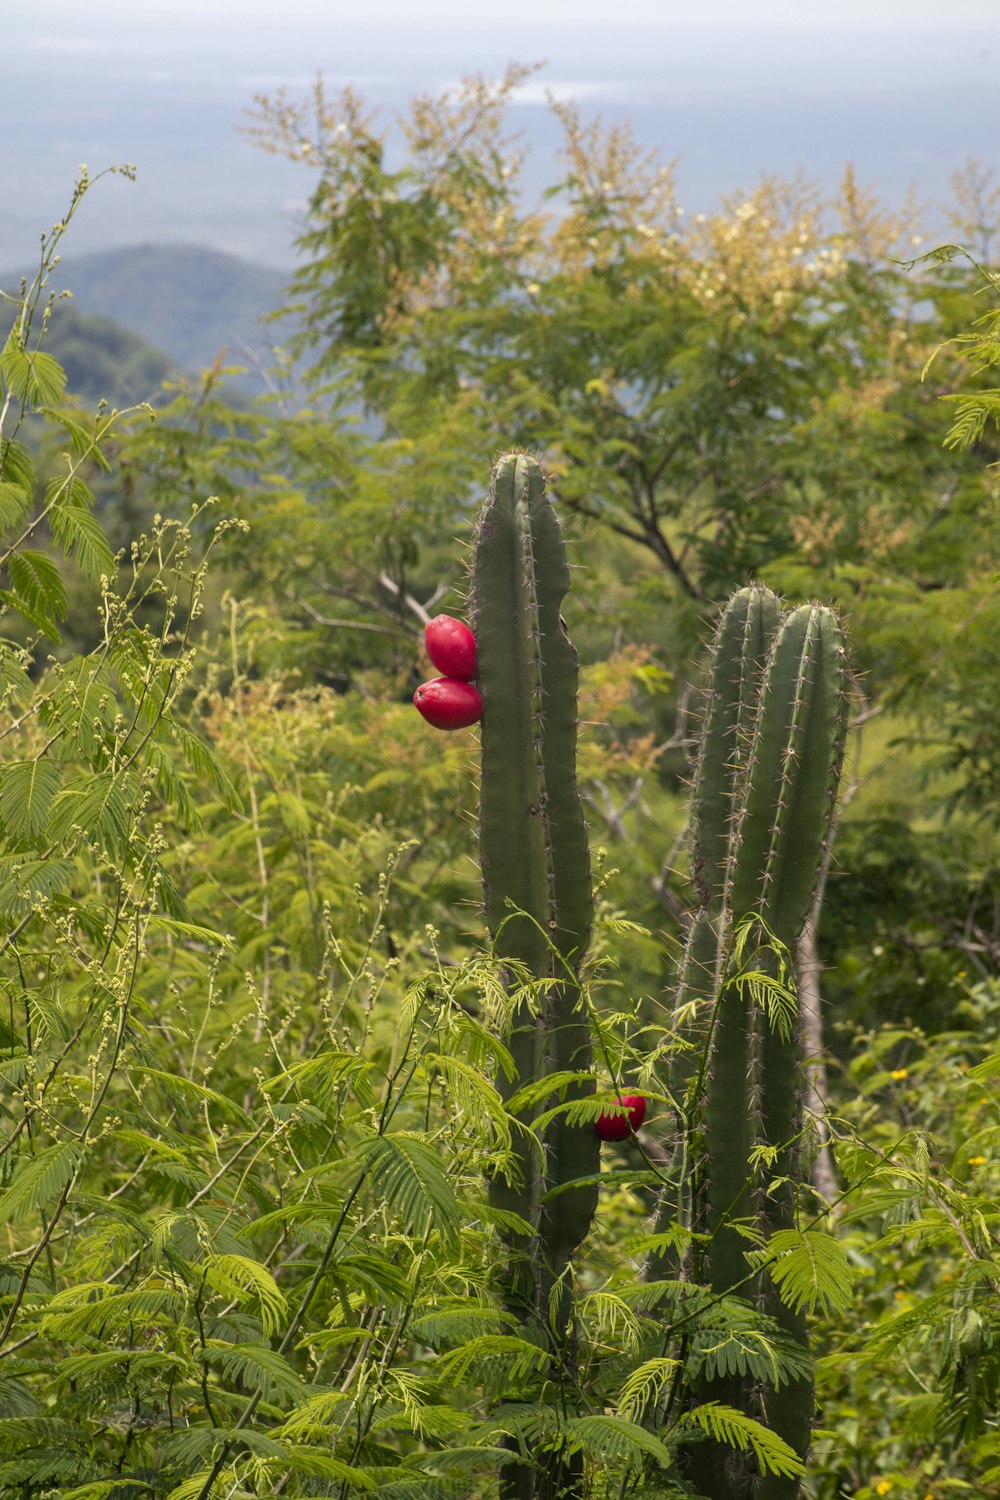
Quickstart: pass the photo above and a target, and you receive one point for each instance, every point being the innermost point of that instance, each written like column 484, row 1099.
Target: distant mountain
column 191, row 303
column 104, row 362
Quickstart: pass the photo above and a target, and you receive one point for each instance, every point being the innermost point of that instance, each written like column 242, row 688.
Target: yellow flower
column 978, row 1161
column 898, row 1073
column 883, row 1487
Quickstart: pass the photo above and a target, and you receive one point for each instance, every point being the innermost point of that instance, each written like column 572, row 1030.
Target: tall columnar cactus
column 739, row 649
column 536, row 881
column 759, row 830
column 762, row 801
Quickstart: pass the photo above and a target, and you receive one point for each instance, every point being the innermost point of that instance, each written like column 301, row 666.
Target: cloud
column 562, row 91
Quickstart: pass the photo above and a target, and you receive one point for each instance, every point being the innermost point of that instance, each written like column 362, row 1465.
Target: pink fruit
column 449, row 704
column 619, row 1127
column 451, row 646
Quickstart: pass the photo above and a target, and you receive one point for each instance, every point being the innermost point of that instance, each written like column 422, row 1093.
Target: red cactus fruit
column 451, row 646
column 447, row 703
column 619, row 1127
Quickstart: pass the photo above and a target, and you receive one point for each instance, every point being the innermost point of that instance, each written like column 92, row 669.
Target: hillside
column 191, row 303
column 103, row 361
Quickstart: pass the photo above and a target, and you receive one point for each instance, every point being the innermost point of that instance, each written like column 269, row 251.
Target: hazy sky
column 790, row 15
column 905, row 90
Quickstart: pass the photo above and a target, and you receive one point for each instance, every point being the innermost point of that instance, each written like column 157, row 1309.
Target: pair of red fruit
column 453, row 702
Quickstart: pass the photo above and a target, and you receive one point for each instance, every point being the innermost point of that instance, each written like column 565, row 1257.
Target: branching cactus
column 536, row 881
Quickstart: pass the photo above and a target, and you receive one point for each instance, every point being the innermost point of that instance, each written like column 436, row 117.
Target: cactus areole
column 447, row 703
column 451, row 646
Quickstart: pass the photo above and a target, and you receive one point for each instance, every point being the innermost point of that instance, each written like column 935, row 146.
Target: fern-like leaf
column 237, row 1277
column 726, row 1425
column 644, row 1386
column 37, row 1181
column 407, row 1172
column 27, row 790
column 495, row 1359
column 255, row 1366
column 810, row 1269
column 611, row 1437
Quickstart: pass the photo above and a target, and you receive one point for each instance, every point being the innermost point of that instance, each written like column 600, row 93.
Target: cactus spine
column 768, row 804
column 536, row 882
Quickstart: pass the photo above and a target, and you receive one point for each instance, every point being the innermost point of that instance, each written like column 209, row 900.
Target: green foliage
column 255, row 1065
column 909, row 1373
column 980, row 348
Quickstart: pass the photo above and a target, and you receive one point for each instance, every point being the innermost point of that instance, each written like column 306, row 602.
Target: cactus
column 774, row 817
column 536, row 883
column 762, row 800
column 739, row 649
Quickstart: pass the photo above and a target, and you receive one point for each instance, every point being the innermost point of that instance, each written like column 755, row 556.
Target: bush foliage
column 251, row 1025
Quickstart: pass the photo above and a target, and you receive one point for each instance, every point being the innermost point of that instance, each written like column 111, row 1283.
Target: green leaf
column 68, row 491
column 320, row 1465
column 378, row 1278
column 26, row 793
column 25, row 882
column 456, row 1321
column 95, row 1310
column 203, row 1484
column 474, row 1095
column 726, row 1425
column 316, row 1415
column 14, row 502
column 16, row 466
column 37, row 579
column 14, row 679
column 75, row 529
column 238, row 1278
column 810, row 1269
column 988, row 1068
column 37, row 1181
column 202, row 759
column 30, row 375
column 255, row 1366
column 407, row 1172
column 608, row 1436
column 100, row 1489
column 494, row 1359
column 644, row 1385
column 84, row 1367
column 188, row 1092
column 95, row 804
column 321, row 1077
column 32, row 613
